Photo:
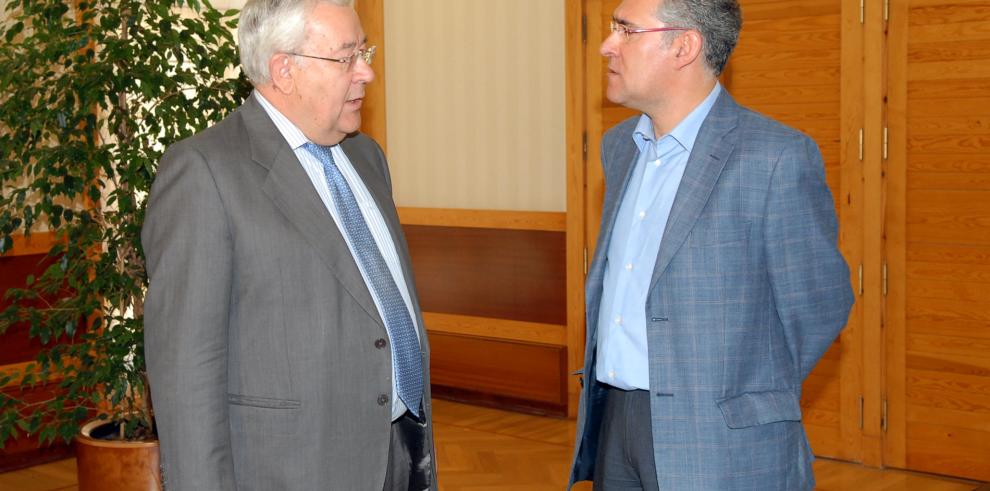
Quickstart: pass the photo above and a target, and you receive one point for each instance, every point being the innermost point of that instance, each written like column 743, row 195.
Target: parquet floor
column 481, row 449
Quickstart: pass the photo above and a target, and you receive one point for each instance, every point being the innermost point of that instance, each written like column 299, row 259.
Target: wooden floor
column 482, row 449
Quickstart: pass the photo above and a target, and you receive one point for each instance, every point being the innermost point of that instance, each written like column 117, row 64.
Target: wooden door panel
column 938, row 220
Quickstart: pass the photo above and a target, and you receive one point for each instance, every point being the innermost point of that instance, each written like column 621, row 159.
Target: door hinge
column 586, row 261
column 884, row 281
column 885, row 143
column 861, row 144
column 886, row 10
column 584, row 146
column 862, row 11
column 860, row 279
column 584, row 28
column 883, row 415
column 861, row 412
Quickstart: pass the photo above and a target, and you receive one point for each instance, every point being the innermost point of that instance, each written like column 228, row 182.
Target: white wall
column 475, row 103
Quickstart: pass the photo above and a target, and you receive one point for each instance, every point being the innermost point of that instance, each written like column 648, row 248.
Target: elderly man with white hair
column 284, row 339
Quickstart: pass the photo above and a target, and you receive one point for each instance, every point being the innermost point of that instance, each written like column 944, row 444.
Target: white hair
column 267, row 27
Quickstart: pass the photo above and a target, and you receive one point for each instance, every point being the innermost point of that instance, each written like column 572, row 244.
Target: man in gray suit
column 716, row 285
column 284, row 341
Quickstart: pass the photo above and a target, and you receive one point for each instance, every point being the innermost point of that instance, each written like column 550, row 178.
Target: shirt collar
column 686, row 132
column 292, row 134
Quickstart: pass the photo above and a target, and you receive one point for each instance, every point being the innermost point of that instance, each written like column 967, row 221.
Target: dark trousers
column 410, row 465
column 625, row 445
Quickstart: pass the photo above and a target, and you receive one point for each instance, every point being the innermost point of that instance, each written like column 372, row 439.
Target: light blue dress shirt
column 622, row 357
column 372, row 215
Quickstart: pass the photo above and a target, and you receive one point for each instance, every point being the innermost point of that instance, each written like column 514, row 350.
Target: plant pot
column 118, row 465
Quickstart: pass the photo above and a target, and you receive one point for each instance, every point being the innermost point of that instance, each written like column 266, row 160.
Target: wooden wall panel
column 506, row 374
column 498, row 273
column 14, row 270
column 27, row 258
column 939, row 225
column 788, row 65
column 492, row 287
column 24, row 451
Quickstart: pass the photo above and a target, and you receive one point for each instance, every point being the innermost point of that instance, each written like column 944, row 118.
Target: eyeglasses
column 366, row 54
column 624, row 31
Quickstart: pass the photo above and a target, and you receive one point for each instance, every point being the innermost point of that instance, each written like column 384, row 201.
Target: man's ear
column 688, row 47
column 282, row 70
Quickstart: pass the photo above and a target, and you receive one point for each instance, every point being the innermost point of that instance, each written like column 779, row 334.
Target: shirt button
column 618, row 320
column 611, row 374
column 656, row 163
column 380, row 343
column 382, row 400
column 642, row 215
column 629, row 267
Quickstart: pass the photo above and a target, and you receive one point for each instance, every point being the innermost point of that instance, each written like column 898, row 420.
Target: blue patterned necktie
column 405, row 343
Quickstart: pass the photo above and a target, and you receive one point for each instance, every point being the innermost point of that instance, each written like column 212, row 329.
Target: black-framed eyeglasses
column 366, row 54
column 624, row 31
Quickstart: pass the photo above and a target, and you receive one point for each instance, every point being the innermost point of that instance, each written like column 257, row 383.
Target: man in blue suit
column 716, row 285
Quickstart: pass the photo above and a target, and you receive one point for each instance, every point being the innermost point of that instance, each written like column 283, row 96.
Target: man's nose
column 363, row 71
column 610, row 45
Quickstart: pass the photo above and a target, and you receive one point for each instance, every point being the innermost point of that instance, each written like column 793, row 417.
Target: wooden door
column 788, row 65
column 938, row 229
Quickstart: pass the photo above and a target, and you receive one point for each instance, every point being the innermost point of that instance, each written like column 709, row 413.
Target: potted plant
column 91, row 93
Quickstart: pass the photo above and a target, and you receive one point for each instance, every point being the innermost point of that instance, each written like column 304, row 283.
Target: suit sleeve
column 809, row 278
column 188, row 249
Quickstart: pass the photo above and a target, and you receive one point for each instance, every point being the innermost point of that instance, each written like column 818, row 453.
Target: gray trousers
column 625, row 446
column 410, row 467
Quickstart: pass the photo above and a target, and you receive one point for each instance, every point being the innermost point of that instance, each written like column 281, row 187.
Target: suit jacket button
column 380, row 343
column 382, row 400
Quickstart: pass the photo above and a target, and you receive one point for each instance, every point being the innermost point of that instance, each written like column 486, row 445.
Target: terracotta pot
column 116, row 465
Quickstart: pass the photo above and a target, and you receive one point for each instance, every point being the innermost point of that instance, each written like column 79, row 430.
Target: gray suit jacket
column 748, row 291
column 260, row 333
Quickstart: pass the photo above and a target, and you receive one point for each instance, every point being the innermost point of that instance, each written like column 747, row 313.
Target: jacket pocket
column 265, row 402
column 719, row 233
column 759, row 408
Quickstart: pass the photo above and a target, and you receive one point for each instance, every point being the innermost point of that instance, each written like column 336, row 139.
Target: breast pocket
column 715, row 233
column 715, row 260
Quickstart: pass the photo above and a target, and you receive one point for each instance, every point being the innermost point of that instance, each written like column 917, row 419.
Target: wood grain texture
column 576, row 162
column 940, row 228
column 499, row 373
column 498, row 219
column 497, row 329
column 496, row 273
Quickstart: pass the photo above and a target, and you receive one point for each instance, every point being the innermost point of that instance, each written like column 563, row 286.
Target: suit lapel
column 290, row 189
column 712, row 148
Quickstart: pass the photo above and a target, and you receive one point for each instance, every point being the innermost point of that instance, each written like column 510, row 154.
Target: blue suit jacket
column 748, row 291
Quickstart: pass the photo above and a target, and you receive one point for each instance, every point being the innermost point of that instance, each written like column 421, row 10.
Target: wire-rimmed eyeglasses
column 624, row 31
column 366, row 54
